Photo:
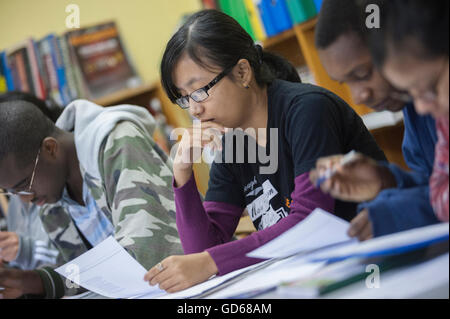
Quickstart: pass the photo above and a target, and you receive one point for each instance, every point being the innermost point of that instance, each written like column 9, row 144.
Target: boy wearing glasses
column 105, row 169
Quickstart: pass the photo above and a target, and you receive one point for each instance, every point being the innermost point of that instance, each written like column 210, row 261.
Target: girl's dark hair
column 48, row 107
column 419, row 27
column 213, row 39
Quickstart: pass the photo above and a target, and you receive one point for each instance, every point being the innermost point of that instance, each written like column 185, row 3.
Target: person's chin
column 388, row 105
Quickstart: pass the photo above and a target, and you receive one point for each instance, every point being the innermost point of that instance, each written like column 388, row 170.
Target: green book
column 301, row 10
column 237, row 10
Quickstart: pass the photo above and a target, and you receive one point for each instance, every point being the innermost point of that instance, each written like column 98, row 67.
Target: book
column 6, row 71
column 38, row 83
column 104, row 64
column 275, row 16
column 255, row 20
column 3, row 85
column 69, row 71
column 264, row 13
column 301, row 10
column 238, row 11
column 335, row 276
column 209, row 4
column 45, row 48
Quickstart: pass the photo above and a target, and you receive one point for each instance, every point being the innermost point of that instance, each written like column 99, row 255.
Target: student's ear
column 50, row 146
column 243, row 72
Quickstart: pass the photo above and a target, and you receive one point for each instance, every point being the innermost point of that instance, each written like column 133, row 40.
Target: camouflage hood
column 91, row 124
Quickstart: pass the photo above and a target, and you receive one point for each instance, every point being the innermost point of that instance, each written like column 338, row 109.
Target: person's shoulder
column 303, row 96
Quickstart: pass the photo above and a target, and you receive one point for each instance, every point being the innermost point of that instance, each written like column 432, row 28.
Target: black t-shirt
column 310, row 122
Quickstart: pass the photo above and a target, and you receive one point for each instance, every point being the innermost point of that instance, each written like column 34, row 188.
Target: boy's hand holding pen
column 351, row 177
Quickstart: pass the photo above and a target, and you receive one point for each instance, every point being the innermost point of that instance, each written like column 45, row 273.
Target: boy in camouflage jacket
column 111, row 178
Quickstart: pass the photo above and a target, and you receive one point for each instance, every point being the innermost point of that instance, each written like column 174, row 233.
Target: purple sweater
column 210, row 226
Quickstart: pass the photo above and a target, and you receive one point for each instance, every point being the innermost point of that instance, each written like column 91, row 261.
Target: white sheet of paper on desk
column 319, row 229
column 108, row 270
column 390, row 244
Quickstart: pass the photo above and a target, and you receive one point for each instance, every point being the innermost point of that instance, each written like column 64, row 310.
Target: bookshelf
column 298, row 46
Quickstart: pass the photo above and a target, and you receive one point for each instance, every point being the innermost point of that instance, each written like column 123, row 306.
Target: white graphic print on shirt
column 261, row 207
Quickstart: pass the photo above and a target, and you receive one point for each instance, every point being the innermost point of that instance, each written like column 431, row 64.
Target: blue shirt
column 408, row 206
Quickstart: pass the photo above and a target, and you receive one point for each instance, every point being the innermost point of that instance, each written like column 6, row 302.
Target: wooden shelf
column 117, row 97
column 273, row 41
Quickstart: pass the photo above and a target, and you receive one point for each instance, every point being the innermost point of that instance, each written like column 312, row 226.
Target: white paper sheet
column 319, row 229
column 108, row 270
column 293, row 268
column 390, row 244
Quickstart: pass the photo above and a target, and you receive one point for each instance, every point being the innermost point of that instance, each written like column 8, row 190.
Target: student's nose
column 360, row 94
column 196, row 108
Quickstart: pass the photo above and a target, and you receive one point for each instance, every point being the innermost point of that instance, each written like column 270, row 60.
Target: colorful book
column 238, row 11
column 209, row 4
column 38, row 83
column 74, row 91
column 275, row 15
column 318, row 5
column 6, row 71
column 301, row 10
column 255, row 20
column 103, row 62
column 49, row 74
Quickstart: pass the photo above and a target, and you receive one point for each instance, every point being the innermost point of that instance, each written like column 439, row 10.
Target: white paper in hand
column 108, row 270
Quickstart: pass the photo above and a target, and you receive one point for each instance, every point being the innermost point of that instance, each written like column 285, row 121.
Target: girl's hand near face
column 191, row 146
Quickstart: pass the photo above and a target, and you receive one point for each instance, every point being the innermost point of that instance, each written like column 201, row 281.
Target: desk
column 426, row 280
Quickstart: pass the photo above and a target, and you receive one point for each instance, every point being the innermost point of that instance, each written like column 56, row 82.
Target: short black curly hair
column 338, row 17
column 23, row 127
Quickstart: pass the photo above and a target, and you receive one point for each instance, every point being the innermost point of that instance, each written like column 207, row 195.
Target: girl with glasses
column 212, row 67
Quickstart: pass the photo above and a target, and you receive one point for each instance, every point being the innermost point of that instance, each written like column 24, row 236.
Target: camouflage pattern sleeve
column 64, row 235
column 62, row 232
column 137, row 183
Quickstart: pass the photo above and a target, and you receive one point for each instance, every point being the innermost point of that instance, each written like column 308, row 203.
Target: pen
column 346, row 159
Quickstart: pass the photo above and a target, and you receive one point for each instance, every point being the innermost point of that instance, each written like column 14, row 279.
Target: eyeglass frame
column 27, row 191
column 204, row 89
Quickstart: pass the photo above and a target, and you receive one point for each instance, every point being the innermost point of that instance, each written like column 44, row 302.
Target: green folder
column 301, row 10
column 237, row 10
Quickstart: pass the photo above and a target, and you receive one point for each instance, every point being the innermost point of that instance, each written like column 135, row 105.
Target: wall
column 145, row 25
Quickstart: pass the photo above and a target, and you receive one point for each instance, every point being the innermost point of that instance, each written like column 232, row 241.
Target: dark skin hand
column 361, row 226
column 17, row 283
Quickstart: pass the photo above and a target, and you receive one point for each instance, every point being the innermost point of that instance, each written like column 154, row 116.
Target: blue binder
column 275, row 16
column 7, row 71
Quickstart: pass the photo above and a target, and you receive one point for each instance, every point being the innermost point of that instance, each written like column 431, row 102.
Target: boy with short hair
column 110, row 175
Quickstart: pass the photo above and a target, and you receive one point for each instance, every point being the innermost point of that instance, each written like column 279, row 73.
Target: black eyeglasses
column 27, row 191
column 201, row 94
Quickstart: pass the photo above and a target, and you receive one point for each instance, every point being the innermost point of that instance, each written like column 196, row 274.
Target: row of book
column 83, row 63
column 266, row 18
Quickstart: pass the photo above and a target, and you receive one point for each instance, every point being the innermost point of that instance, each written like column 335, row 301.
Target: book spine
column 3, row 86
column 36, row 77
column 6, row 71
column 255, row 20
column 70, row 75
column 266, row 17
column 50, row 70
column 209, row 4
column 280, row 15
column 21, row 71
column 60, row 71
